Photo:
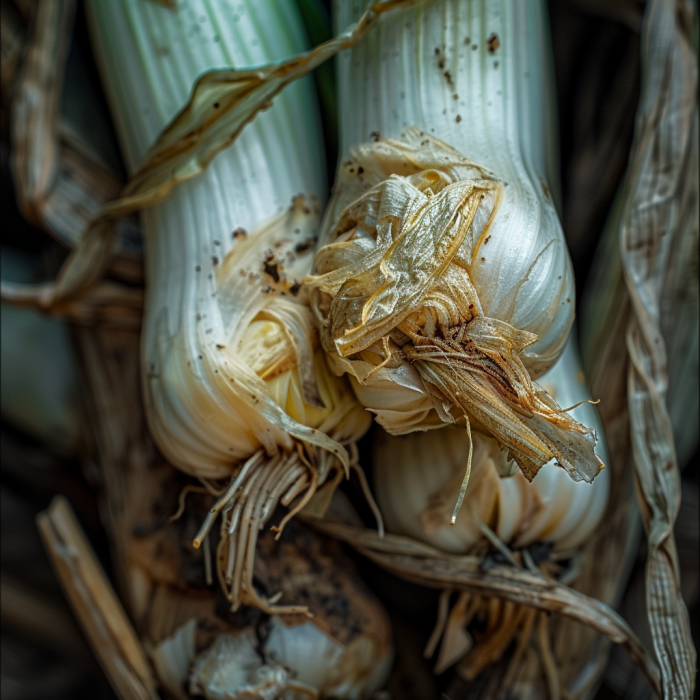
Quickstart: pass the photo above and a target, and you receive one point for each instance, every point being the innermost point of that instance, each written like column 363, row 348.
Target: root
column 244, row 508
column 505, row 623
column 548, row 663
column 495, row 540
column 370, row 498
column 302, row 502
column 528, row 622
column 181, row 500
column 443, row 609
column 465, row 481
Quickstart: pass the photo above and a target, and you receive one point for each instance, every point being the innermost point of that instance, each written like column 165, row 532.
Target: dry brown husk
column 642, row 303
column 418, row 200
column 223, row 102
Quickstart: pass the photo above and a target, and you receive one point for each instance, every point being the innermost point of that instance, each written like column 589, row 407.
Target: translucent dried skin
column 416, row 490
column 394, row 287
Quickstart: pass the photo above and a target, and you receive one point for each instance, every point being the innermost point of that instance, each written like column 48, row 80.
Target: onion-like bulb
column 417, row 479
column 297, row 662
column 344, row 651
column 443, row 284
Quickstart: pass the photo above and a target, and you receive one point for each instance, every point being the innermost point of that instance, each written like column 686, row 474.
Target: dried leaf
column 62, row 189
column 661, row 199
column 12, row 39
column 109, row 302
column 430, row 567
column 223, row 102
column 93, row 599
column 35, row 136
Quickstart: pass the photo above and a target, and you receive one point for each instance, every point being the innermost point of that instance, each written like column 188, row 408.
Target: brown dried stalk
column 95, row 604
column 661, row 209
column 430, row 567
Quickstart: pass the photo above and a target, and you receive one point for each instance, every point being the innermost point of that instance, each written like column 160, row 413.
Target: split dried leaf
column 661, row 207
column 223, row 102
column 396, row 278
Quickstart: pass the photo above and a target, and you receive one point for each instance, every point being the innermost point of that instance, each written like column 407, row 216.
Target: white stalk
column 230, row 366
column 151, row 56
column 408, row 72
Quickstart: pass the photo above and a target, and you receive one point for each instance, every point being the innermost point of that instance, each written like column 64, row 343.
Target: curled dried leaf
column 394, row 294
column 660, row 211
column 223, row 102
column 427, row 566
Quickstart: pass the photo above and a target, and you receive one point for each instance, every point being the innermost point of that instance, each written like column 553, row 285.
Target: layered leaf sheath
column 235, row 384
column 443, row 286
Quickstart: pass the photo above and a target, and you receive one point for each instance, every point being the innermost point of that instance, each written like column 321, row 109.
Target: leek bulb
column 344, row 651
column 235, row 385
column 417, row 477
column 443, row 285
column 298, row 662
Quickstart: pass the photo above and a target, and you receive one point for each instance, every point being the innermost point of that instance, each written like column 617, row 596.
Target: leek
column 234, row 385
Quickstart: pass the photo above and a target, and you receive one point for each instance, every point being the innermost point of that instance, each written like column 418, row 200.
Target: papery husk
column 659, row 218
column 165, row 582
column 222, row 103
column 245, row 365
column 417, row 480
column 396, row 273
